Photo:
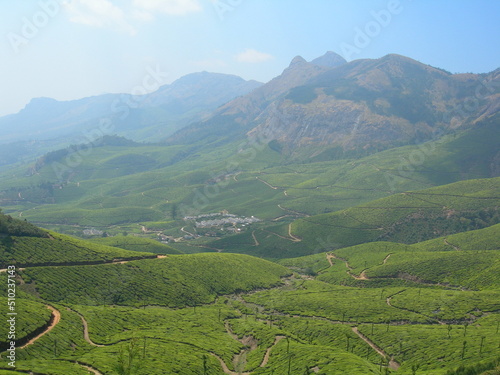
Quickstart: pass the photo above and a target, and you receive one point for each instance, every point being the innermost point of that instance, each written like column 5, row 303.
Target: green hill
column 102, row 190
column 59, row 250
column 448, row 209
column 465, row 260
column 138, row 244
column 175, row 281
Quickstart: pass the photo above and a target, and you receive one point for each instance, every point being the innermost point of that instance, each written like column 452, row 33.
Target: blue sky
column 69, row 49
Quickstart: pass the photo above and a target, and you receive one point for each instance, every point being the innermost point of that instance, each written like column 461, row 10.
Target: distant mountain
column 330, row 60
column 235, row 117
column 361, row 106
column 147, row 117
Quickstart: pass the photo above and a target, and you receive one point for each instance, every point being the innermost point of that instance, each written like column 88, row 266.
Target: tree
column 127, row 359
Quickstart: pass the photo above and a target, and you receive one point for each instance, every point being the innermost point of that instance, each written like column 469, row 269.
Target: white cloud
column 98, row 13
column 142, row 15
column 171, row 7
column 253, row 56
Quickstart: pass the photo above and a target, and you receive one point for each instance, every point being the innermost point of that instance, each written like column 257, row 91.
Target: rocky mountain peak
column 297, row 60
column 329, row 60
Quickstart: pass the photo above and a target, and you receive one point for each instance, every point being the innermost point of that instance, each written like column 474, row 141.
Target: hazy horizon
column 69, row 50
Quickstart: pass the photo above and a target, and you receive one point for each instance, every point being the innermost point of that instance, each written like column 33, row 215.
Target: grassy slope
column 442, row 210
column 397, row 215
column 138, row 244
column 183, row 348
column 469, row 259
column 308, row 312
column 59, row 249
column 176, row 177
column 178, row 280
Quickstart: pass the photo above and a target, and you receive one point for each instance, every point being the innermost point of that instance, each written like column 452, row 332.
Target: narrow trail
column 295, row 239
column 250, row 344
column 226, row 369
column 329, row 258
column 86, row 335
column 86, row 366
column 389, row 303
column 268, row 351
column 255, row 239
column 91, row 369
column 361, row 276
column 393, row 365
column 453, row 246
column 267, row 183
column 56, row 317
column 206, row 247
column 239, row 359
column 185, row 231
column 295, row 213
column 280, row 236
column 114, row 261
column 281, row 217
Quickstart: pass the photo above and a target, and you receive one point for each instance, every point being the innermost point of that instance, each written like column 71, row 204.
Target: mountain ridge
column 45, row 118
column 364, row 104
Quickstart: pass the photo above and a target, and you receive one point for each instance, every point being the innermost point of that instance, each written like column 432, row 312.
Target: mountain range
column 371, row 105
column 141, row 117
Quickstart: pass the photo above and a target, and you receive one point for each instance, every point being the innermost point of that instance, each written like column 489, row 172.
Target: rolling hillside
column 224, row 322
column 341, row 219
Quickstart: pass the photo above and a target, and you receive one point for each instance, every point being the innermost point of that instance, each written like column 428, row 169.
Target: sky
column 70, row 49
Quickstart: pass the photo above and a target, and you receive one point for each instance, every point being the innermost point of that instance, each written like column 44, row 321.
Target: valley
column 342, row 218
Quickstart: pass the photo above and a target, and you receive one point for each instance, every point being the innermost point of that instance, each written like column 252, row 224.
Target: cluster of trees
column 13, row 227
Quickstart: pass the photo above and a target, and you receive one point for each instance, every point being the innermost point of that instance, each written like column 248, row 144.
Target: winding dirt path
column 84, row 365
column 56, row 317
column 255, row 239
column 388, row 302
column 239, row 360
column 329, row 258
column 226, row 369
column 268, row 351
column 86, row 335
column 361, row 276
column 393, row 365
column 296, row 213
column 295, row 239
column 114, row 261
column 453, row 246
column 91, row 369
column 280, row 236
column 189, row 233
column 267, row 183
